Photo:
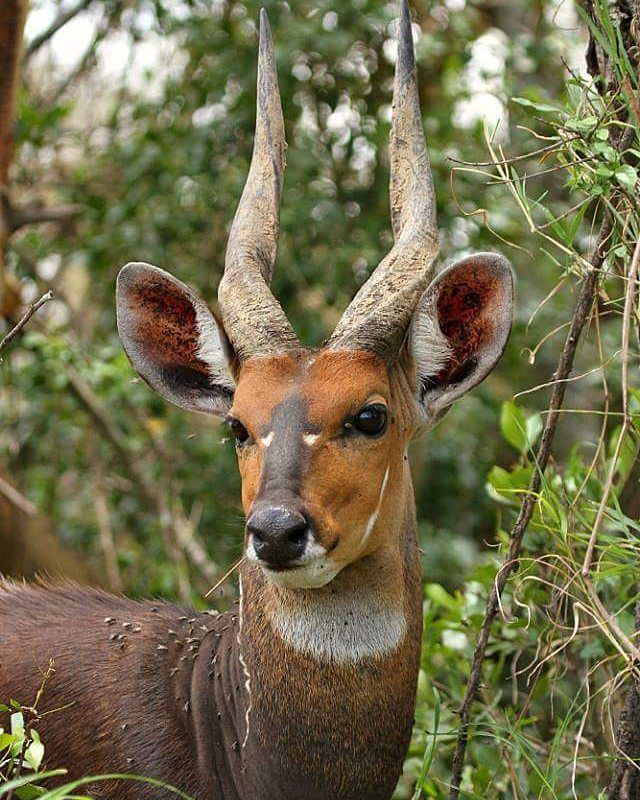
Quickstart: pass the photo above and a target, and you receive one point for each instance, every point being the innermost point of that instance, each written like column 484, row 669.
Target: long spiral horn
column 253, row 319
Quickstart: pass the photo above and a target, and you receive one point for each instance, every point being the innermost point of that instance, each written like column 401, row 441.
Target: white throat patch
column 345, row 626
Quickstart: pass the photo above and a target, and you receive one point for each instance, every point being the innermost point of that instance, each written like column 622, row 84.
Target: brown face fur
column 343, row 479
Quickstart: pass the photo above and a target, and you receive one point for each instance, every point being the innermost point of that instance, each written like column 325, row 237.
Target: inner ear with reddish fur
column 173, row 340
column 460, row 328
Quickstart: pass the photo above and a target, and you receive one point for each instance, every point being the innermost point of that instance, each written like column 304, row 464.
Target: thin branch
column 626, row 422
column 59, row 22
column 103, row 519
column 565, row 365
column 17, row 499
column 33, row 308
column 35, row 214
column 226, row 575
column 625, row 782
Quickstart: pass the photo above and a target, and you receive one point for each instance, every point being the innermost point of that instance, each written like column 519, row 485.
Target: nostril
column 299, row 535
column 279, row 534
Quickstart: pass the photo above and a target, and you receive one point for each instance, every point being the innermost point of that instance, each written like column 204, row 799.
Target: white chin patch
column 317, row 573
column 311, row 571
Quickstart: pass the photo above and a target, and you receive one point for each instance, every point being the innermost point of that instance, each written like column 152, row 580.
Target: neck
column 359, row 616
column 330, row 674
column 311, row 693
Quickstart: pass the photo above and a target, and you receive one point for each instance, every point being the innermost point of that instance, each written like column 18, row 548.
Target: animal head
column 322, row 433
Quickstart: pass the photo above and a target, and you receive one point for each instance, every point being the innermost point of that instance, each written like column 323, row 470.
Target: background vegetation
column 134, row 124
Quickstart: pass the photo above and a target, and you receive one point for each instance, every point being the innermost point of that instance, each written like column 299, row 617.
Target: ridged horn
column 253, row 319
column 378, row 316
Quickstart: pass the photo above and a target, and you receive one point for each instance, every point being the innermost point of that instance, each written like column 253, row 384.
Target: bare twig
column 565, row 365
column 226, row 575
column 102, row 31
column 625, row 782
column 17, row 499
column 34, row 214
column 103, row 518
column 33, row 308
column 626, row 422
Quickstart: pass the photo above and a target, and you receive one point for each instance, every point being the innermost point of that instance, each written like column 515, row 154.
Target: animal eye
column 238, row 430
column 371, row 420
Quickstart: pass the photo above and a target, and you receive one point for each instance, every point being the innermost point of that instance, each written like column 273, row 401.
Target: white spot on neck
column 266, row 440
column 374, row 517
column 245, row 669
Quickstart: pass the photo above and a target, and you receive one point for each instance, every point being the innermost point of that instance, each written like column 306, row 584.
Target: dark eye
column 238, row 430
column 371, row 420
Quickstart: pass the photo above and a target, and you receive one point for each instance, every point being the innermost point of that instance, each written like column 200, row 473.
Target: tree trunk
column 12, row 17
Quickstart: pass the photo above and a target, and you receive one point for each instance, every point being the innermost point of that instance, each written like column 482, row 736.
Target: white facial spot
column 374, row 517
column 266, row 440
column 310, row 438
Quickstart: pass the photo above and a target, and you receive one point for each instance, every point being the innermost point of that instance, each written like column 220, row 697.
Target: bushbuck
column 307, row 689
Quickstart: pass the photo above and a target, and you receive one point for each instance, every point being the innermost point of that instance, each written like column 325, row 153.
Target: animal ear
column 460, row 329
column 173, row 340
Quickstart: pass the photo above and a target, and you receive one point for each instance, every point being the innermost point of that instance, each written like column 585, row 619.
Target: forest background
column 131, row 124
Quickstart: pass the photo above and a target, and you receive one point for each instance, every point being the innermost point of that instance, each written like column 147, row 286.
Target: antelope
column 306, row 689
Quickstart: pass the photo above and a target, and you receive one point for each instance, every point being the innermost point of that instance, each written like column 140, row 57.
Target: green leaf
column 430, row 749
column 35, row 752
column 17, row 724
column 544, row 107
column 605, row 150
column 30, row 792
column 627, row 177
column 604, row 172
column 584, row 125
column 513, row 426
column 439, row 596
column 502, row 485
column 533, row 429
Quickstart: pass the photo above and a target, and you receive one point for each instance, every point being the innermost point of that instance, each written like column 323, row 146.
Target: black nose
column 279, row 534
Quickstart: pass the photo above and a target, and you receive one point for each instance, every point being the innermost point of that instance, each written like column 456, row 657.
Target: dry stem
column 33, row 308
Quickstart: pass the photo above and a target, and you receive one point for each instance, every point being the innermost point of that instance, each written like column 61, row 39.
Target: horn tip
column 406, row 57
column 265, row 27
